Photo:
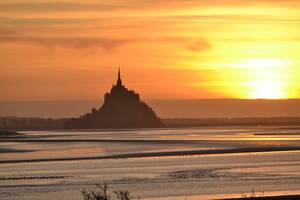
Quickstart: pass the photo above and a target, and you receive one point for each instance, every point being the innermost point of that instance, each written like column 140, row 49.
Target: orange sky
column 69, row 49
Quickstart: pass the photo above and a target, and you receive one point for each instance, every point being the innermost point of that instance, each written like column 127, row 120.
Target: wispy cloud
column 192, row 44
column 5, row 31
column 228, row 18
column 109, row 5
column 58, row 6
column 70, row 42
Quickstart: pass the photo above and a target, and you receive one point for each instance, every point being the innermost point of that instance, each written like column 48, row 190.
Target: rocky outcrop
column 122, row 108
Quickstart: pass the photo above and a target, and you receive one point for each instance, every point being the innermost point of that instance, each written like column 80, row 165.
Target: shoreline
column 169, row 123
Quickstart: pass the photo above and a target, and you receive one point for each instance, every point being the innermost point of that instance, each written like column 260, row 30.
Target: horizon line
column 154, row 99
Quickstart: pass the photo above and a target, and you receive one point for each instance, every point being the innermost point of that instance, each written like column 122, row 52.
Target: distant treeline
column 24, row 123
column 20, row 123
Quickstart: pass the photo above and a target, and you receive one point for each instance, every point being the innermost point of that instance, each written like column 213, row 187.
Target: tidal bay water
column 178, row 163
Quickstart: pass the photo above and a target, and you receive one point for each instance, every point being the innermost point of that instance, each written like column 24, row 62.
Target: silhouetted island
column 122, row 108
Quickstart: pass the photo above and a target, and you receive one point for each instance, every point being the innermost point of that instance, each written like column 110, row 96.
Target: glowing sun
column 268, row 81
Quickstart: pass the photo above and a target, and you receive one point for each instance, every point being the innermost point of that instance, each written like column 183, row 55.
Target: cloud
column 192, row 44
column 45, row 21
column 57, row 6
column 70, row 42
column 200, row 45
column 5, row 31
column 194, row 3
column 227, row 18
column 112, row 5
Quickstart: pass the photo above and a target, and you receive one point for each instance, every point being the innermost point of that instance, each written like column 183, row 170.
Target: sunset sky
column 167, row 49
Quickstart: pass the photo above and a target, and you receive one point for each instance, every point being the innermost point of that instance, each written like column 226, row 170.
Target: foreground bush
column 103, row 193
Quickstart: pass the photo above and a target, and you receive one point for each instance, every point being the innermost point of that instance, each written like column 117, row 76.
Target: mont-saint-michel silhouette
column 122, row 108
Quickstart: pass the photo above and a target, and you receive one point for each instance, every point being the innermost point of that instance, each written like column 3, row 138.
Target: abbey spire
column 119, row 81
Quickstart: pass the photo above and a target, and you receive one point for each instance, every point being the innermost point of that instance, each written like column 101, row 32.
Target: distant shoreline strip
column 161, row 154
